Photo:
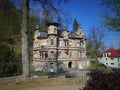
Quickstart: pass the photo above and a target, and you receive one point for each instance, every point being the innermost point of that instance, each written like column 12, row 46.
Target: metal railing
column 10, row 68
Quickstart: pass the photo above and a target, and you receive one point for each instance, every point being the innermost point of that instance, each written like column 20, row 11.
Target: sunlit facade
column 59, row 48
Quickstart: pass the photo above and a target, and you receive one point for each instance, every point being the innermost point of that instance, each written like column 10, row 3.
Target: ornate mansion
column 59, row 49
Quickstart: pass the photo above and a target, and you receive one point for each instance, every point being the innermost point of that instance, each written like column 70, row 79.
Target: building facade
column 110, row 58
column 59, row 49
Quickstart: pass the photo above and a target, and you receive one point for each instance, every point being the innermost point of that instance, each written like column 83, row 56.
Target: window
column 59, row 43
column 119, row 64
column 51, row 54
column 106, row 59
column 112, row 63
column 55, row 30
column 112, row 58
column 70, row 54
column 104, row 55
column 36, row 43
column 51, row 42
column 78, row 44
column 42, row 47
column 80, row 54
column 70, row 44
column 81, row 44
column 41, row 55
column 66, row 43
column 59, row 54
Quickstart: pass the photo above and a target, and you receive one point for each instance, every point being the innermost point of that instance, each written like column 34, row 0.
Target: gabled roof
column 113, row 53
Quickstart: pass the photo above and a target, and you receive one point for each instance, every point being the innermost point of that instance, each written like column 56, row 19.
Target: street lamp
column 82, row 68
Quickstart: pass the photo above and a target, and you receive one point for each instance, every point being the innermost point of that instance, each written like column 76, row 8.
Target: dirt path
column 74, row 87
column 41, row 84
column 71, row 87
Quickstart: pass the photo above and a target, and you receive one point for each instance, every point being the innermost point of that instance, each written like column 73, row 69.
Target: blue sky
column 89, row 13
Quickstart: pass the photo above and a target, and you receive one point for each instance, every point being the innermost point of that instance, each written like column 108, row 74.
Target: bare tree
column 25, row 42
column 46, row 5
column 95, row 40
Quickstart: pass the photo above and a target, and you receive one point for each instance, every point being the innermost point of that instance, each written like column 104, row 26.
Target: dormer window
column 65, row 35
column 105, row 54
column 55, row 30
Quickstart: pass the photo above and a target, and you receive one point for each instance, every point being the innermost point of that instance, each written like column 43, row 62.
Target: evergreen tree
column 75, row 25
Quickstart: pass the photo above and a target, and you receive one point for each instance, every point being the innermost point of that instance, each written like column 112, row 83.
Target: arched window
column 55, row 30
column 52, row 54
column 70, row 65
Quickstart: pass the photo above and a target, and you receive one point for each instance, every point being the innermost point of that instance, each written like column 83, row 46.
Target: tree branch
column 14, row 7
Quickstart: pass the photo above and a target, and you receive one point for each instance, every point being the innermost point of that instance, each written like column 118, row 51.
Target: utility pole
column 82, row 68
column 57, row 42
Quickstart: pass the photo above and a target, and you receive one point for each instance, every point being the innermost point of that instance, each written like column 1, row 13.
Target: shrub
column 9, row 62
column 108, row 81
column 99, row 67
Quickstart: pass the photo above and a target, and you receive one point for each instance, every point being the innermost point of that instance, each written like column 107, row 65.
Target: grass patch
column 99, row 67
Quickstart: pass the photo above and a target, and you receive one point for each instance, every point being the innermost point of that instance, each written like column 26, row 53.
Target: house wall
column 110, row 61
column 72, row 56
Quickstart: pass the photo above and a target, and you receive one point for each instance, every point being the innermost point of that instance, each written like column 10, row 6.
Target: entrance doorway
column 70, row 65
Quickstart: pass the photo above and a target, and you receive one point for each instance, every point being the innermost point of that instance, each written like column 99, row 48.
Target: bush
column 108, row 81
column 9, row 62
column 95, row 66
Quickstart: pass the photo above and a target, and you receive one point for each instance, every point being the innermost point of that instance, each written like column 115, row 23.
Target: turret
column 65, row 34
column 52, row 28
column 37, row 32
column 79, row 32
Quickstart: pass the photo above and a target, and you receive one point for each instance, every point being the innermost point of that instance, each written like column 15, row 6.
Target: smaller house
column 110, row 58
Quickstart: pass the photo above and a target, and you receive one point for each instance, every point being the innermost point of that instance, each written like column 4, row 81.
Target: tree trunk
column 24, row 32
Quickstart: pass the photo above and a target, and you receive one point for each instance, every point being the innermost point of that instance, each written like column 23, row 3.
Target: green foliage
column 9, row 63
column 9, row 21
column 95, row 66
column 112, row 19
column 75, row 25
column 93, row 54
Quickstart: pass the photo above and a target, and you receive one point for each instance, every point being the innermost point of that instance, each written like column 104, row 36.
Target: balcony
column 65, row 38
column 44, row 48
